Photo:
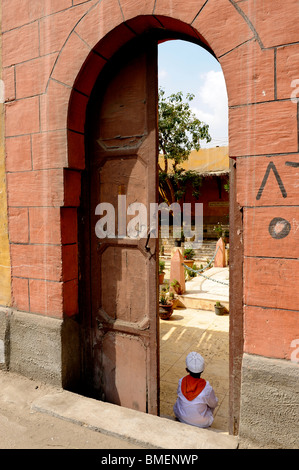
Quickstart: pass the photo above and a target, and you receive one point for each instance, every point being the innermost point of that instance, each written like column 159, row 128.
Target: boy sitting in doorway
column 196, row 398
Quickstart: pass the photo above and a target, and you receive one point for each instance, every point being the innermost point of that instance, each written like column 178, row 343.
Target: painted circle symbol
column 279, row 228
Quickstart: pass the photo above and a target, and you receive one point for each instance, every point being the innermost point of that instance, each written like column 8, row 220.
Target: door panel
column 122, row 152
column 124, row 385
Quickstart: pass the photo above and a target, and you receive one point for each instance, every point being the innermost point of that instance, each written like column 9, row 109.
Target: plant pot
column 165, row 311
column 189, row 262
column 219, row 310
column 161, row 278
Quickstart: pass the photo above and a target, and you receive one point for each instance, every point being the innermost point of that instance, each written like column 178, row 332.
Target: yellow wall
column 206, row 160
column 5, row 268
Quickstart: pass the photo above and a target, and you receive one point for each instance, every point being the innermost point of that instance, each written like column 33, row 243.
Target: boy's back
column 196, row 402
column 196, row 399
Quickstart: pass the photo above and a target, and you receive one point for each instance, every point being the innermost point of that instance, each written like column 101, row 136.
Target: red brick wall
column 42, row 181
column 214, row 199
column 52, row 53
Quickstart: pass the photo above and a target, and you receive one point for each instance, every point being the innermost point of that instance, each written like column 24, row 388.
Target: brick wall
column 5, row 284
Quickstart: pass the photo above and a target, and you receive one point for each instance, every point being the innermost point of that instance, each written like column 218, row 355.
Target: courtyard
column 202, row 331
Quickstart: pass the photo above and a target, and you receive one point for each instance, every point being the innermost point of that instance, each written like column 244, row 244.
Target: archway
column 92, row 68
column 84, row 39
column 258, row 54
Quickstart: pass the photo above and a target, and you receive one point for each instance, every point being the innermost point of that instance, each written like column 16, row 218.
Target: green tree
column 180, row 132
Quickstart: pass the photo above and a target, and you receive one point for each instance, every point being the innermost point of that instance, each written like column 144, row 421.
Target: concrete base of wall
column 4, row 338
column 269, row 403
column 48, row 350
column 40, row 348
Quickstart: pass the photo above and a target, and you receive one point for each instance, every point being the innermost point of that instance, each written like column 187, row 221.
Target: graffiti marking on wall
column 272, row 167
column 279, row 228
column 293, row 164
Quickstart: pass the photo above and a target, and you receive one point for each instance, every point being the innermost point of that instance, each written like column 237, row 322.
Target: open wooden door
column 122, row 152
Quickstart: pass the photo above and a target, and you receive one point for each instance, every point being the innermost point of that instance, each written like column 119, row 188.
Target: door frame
column 76, row 134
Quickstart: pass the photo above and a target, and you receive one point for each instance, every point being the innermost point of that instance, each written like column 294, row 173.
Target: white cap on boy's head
column 195, row 362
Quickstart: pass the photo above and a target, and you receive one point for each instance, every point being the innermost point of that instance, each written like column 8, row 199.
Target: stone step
column 202, row 292
column 206, row 251
column 187, row 301
column 134, row 426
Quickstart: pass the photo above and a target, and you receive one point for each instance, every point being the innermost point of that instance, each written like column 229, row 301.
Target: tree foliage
column 180, row 132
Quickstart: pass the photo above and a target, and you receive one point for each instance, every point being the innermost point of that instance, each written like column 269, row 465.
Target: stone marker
column 219, row 261
column 177, row 270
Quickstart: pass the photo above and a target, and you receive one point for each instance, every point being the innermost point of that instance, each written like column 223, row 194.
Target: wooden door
column 121, row 138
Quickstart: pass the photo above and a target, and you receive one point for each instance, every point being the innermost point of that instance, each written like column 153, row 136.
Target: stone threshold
column 149, row 431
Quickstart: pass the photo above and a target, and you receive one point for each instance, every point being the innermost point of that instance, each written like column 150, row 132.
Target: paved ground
column 203, row 290
column 196, row 327
column 35, row 416
column 23, row 428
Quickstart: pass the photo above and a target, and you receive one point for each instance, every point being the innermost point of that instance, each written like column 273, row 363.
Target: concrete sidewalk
column 23, row 427
column 138, row 428
column 38, row 416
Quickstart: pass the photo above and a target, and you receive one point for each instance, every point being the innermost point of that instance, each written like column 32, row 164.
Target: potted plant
column 219, row 308
column 173, row 299
column 190, row 274
column 165, row 306
column 176, row 287
column 179, row 241
column 218, row 229
column 188, row 257
column 161, row 271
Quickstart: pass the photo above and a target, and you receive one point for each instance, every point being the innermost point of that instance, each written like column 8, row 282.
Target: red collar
column 192, row 387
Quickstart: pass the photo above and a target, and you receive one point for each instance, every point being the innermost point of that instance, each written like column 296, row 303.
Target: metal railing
column 200, row 271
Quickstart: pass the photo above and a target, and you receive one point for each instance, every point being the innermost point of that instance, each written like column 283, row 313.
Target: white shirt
column 197, row 412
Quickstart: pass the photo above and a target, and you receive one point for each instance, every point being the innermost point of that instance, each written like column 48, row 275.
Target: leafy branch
column 180, row 132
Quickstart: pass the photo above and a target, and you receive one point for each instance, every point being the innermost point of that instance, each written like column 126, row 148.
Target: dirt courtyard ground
column 202, row 331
